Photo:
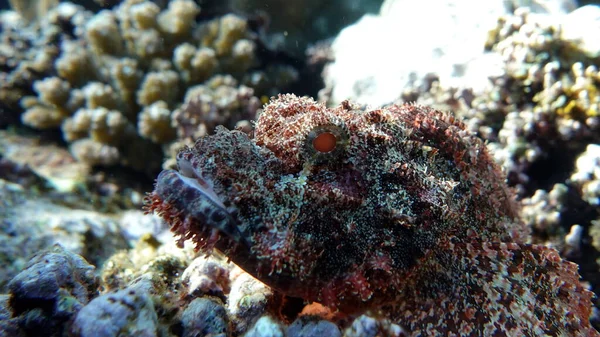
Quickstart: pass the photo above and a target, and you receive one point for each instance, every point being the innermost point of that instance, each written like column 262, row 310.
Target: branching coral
column 541, row 108
column 405, row 212
column 137, row 61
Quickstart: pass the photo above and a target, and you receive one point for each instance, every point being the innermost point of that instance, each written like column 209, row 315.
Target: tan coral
column 195, row 65
column 43, row 117
column 144, row 15
column 102, row 125
column 74, row 64
column 243, row 55
column 124, row 60
column 49, row 109
column 154, row 123
column 103, row 34
column 158, row 86
column 53, row 90
column 99, row 95
column 179, row 17
column 94, row 153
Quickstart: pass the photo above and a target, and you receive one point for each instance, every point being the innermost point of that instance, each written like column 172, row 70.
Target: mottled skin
column 407, row 216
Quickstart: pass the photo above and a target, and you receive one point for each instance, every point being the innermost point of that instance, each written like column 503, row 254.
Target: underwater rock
column 54, row 164
column 204, row 317
column 207, row 275
column 247, row 301
column 9, row 325
column 128, row 312
column 265, row 327
column 52, row 288
column 307, row 326
column 31, row 223
column 365, row 326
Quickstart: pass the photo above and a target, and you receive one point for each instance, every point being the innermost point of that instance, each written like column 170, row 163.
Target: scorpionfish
column 399, row 211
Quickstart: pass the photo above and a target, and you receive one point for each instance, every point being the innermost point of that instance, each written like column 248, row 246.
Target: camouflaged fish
column 398, row 211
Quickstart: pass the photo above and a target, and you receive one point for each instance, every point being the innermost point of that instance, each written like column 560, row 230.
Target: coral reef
column 382, row 68
column 219, row 101
column 542, row 107
column 28, row 57
column 539, row 115
column 587, row 174
column 360, row 221
column 542, row 211
column 111, row 81
column 395, row 213
column 31, row 11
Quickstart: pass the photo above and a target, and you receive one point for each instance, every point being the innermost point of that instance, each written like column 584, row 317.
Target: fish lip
column 193, row 177
column 199, row 201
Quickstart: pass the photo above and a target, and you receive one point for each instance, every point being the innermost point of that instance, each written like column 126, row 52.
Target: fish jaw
column 192, row 208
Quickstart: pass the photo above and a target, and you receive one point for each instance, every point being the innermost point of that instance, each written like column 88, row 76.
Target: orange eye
column 324, row 142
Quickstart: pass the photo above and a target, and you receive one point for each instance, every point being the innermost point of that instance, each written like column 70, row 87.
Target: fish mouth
column 202, row 214
column 194, row 178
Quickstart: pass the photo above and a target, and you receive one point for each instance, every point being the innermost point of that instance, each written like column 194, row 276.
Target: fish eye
column 325, row 144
